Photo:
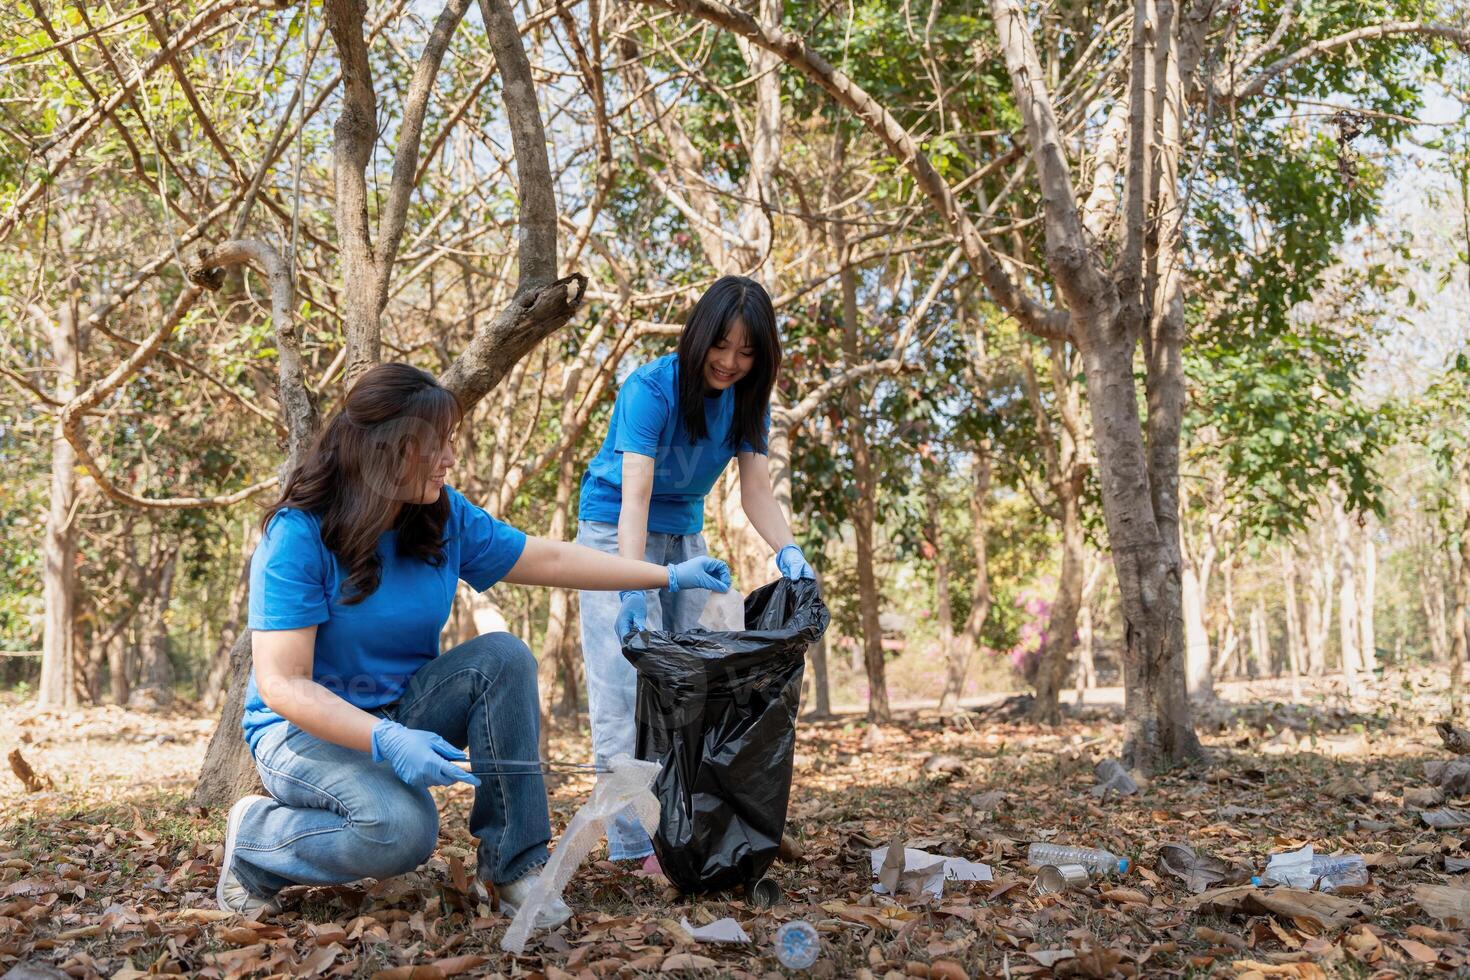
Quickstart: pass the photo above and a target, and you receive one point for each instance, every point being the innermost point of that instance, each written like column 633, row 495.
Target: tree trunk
column 553, row 659
column 864, row 511
column 120, row 669
column 154, row 688
column 1294, row 645
column 1367, row 634
column 216, row 681
column 1061, row 625
column 1229, row 631
column 821, row 682
column 228, row 771
column 1431, row 598
column 1086, row 676
column 779, row 450
column 1320, row 581
column 1347, row 604
column 1194, row 593
column 1260, row 643
column 934, row 537
column 1061, row 450
column 1158, row 727
column 962, row 651
column 1461, row 621
column 59, row 544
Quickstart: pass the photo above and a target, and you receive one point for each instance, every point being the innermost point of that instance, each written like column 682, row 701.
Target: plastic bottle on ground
column 1095, row 859
column 797, row 944
column 1346, row 871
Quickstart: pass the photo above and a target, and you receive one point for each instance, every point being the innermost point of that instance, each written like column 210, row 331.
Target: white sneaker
column 231, row 895
column 515, row 894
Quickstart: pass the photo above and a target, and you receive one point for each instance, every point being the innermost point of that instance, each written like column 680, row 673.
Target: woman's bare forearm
column 572, row 566
column 314, row 709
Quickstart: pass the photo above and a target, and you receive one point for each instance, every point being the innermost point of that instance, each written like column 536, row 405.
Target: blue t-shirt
column 646, row 420
column 366, row 653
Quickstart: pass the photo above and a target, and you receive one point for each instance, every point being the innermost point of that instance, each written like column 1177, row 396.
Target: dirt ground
column 105, row 871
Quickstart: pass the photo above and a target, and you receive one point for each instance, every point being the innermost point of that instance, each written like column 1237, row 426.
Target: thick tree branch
column 1136, row 198
column 794, row 416
column 538, row 266
column 1071, row 257
column 352, row 149
column 206, row 275
column 1283, row 23
column 529, row 318
column 297, row 406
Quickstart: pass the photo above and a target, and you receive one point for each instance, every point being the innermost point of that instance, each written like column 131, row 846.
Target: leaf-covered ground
column 106, row 871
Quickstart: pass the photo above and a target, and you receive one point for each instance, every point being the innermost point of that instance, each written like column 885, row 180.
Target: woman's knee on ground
column 397, row 829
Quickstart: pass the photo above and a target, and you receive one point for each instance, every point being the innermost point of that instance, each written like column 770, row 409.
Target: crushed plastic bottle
column 797, row 944
column 1347, row 871
column 1095, row 859
column 1307, row 870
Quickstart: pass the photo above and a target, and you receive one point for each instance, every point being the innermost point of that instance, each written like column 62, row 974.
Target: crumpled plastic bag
column 629, row 784
column 921, row 872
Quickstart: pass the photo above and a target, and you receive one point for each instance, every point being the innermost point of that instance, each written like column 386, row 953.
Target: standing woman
column 351, row 712
column 677, row 422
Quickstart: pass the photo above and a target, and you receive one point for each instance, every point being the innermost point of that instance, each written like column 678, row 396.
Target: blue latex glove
column 419, row 758
column 792, row 563
column 632, row 614
column 703, row 572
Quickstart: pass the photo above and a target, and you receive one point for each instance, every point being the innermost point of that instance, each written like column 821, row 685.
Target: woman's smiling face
column 730, row 359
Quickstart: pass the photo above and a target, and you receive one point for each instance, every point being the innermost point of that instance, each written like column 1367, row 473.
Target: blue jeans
column 611, row 680
column 337, row 816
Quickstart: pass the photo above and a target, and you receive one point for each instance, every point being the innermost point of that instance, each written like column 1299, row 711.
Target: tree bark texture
column 864, row 508
column 59, row 544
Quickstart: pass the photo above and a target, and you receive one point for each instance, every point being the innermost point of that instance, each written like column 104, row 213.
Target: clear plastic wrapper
column 628, row 784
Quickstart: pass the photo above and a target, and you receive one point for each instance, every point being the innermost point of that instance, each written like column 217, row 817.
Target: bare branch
column 410, row 134
column 1283, row 23
column 88, row 123
column 71, row 415
column 794, row 416
column 529, row 318
column 1257, row 83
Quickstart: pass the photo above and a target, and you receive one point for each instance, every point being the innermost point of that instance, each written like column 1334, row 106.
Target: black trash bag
column 718, row 710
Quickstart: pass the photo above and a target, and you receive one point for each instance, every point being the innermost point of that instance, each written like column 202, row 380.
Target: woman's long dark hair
column 367, row 467
column 731, row 298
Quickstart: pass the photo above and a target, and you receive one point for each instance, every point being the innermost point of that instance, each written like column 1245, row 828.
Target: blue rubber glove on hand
column 703, row 572
column 632, row 614
column 419, row 758
column 792, row 563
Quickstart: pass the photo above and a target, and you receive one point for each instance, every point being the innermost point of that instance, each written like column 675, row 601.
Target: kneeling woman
column 351, row 713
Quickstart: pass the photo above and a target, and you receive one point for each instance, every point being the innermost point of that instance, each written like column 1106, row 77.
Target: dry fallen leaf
column 1419, row 951
column 1449, row 903
column 686, row 961
column 1321, row 908
column 1306, row 971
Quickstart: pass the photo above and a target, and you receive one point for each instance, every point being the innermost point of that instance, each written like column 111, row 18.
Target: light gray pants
column 611, row 680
